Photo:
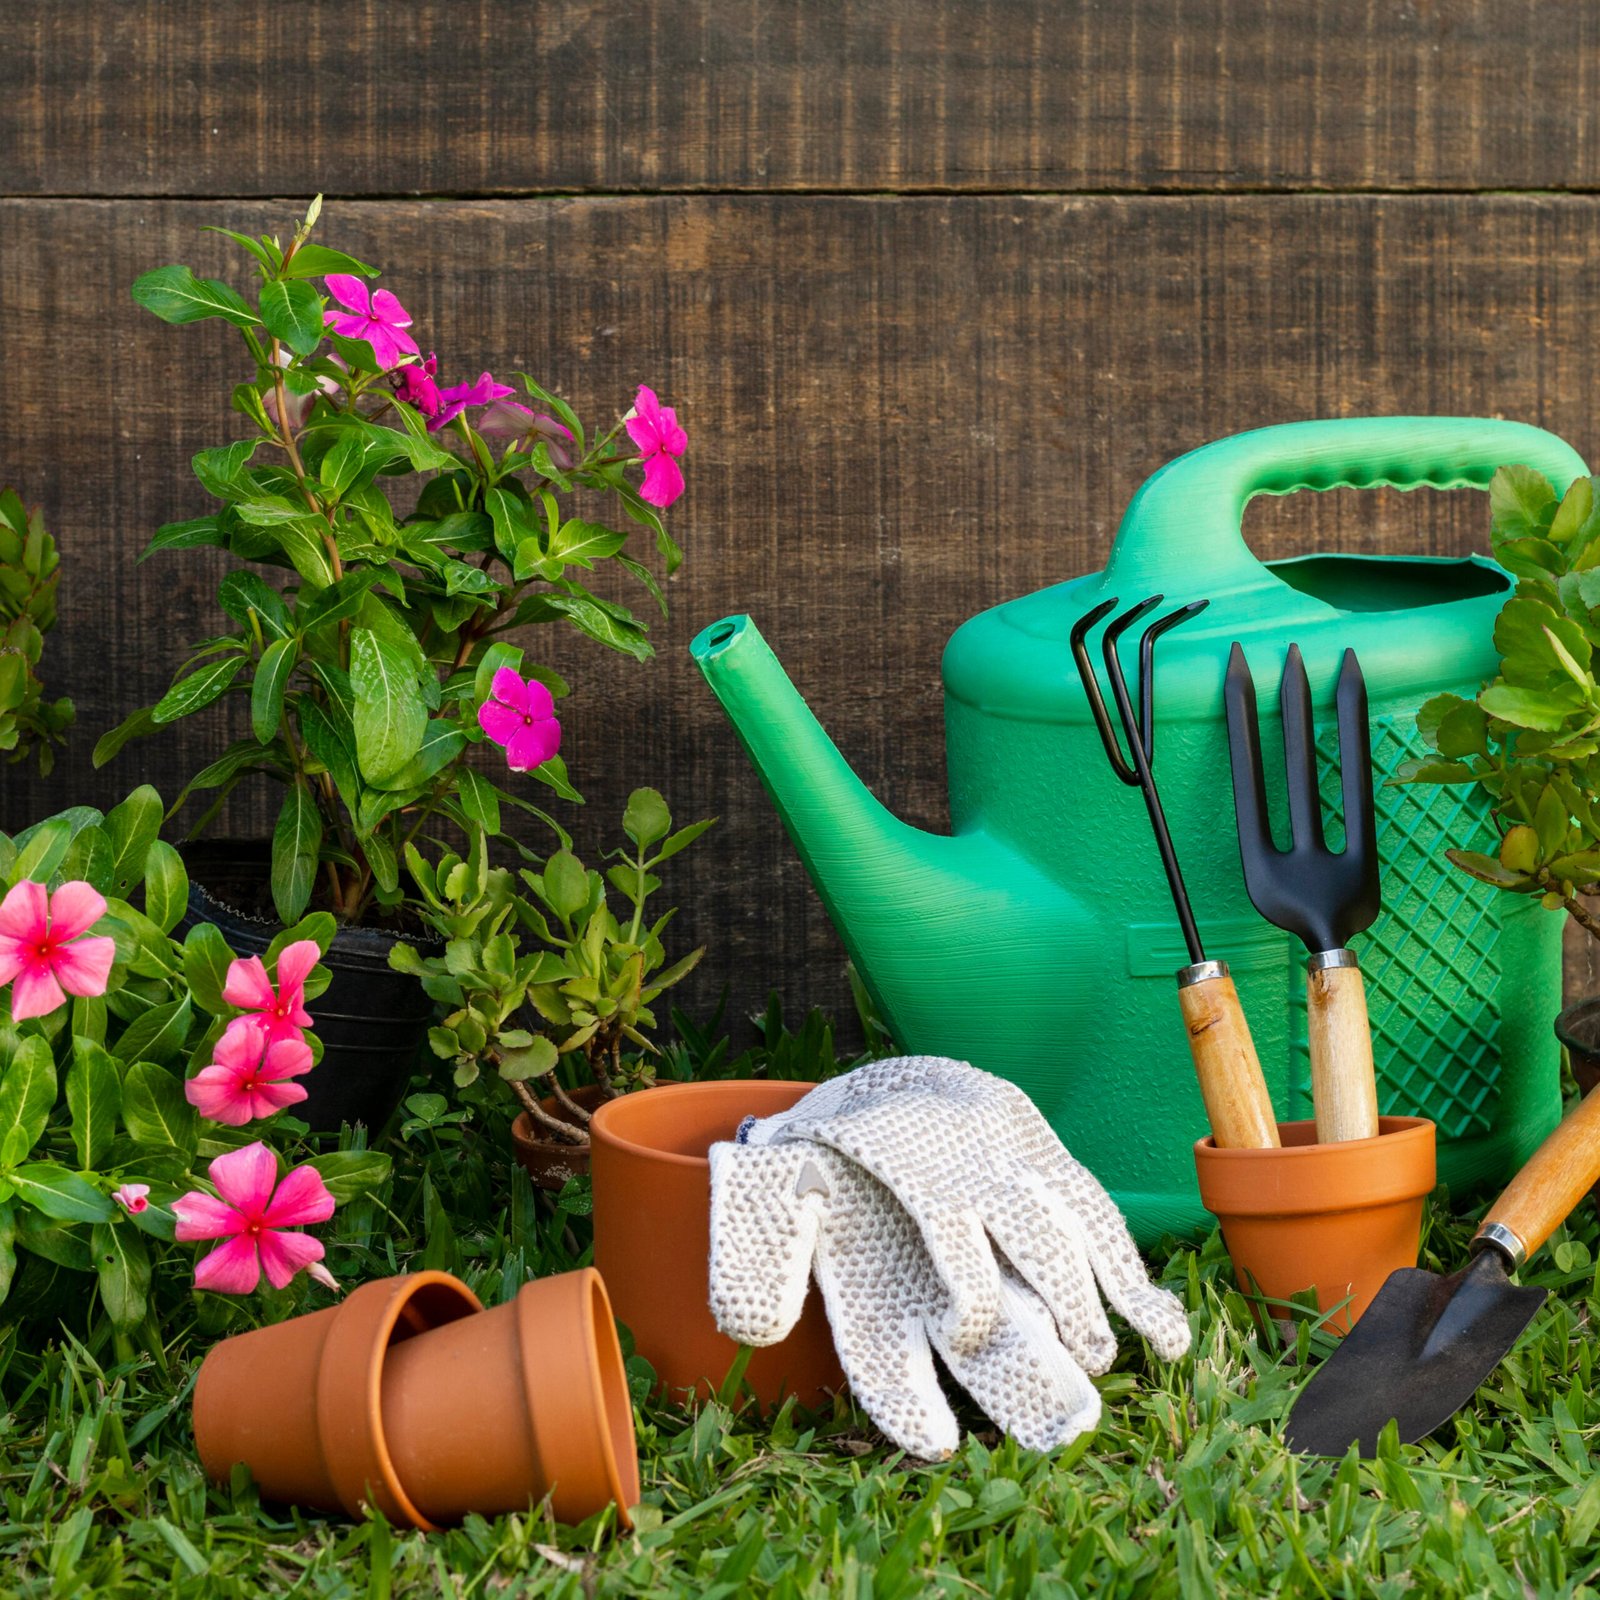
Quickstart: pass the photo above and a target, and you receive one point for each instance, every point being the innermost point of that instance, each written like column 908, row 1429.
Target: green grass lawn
column 1185, row 1490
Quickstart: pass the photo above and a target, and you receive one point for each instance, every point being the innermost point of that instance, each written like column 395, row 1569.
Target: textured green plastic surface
column 1038, row 941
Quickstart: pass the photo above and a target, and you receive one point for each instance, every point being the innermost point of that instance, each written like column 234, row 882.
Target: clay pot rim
column 1311, row 1179
column 601, row 1131
column 522, row 1124
column 350, row 1391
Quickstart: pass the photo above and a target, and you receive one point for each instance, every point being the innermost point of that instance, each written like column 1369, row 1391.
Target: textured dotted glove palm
column 937, row 1211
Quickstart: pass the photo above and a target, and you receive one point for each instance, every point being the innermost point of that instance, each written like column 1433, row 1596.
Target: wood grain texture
column 1237, row 1104
column 1344, row 1090
column 1555, row 1179
column 900, row 411
column 469, row 97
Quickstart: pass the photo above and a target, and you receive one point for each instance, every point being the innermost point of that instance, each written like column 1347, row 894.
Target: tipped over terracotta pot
column 408, row 1396
column 652, row 1238
column 1337, row 1218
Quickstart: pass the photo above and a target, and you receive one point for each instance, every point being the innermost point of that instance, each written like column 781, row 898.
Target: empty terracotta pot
column 546, row 1160
column 410, row 1397
column 652, row 1238
column 1338, row 1218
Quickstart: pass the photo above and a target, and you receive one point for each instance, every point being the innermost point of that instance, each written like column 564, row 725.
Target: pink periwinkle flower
column 655, row 429
column 252, row 1215
column 520, row 716
column 281, row 1011
column 249, row 1075
column 297, row 406
column 414, row 383
column 506, row 419
column 134, row 1198
column 459, row 396
column 378, row 318
column 42, row 951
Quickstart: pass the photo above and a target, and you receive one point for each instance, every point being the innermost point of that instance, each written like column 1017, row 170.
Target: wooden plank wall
column 933, row 285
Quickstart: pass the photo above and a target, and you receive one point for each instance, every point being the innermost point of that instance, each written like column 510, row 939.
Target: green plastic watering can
column 1038, row 940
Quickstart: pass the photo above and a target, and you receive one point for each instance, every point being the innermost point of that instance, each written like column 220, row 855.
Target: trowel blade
column 1417, row 1354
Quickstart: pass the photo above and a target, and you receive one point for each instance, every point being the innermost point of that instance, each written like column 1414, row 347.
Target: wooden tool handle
column 1344, row 1091
column 1225, row 1061
column 1556, row 1177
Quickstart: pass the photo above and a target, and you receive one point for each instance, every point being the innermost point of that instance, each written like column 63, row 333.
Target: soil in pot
column 549, row 1162
column 1337, row 1218
column 652, row 1239
column 373, row 1021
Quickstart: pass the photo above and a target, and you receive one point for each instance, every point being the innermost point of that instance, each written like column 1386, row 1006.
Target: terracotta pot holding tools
column 652, row 1238
column 548, row 1161
column 1337, row 1218
column 410, row 1397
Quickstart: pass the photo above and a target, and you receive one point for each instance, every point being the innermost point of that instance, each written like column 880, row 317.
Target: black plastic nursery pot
column 373, row 1021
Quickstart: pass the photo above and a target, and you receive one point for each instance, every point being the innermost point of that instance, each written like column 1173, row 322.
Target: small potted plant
column 374, row 645
column 1531, row 737
column 548, row 992
column 29, row 724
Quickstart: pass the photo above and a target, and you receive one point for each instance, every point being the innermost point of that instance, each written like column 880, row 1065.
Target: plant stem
column 564, row 1131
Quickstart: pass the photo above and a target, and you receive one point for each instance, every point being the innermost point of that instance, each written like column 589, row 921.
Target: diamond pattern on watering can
column 1431, row 959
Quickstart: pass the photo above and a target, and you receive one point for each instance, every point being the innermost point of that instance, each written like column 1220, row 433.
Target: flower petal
column 646, row 404
column 246, row 1178
column 24, row 913
column 533, row 745
column 284, row 1254
column 75, row 908
column 500, row 722
column 663, row 481
column 84, row 966
column 286, row 1058
column 541, row 703
column 35, row 993
column 509, row 689
column 349, row 291
column 248, row 986
column 643, row 433
column 241, row 1046
column 301, row 1197
column 215, row 1093
column 15, row 955
column 266, row 1098
column 388, row 310
column 201, row 1216
column 295, row 962
column 232, row 1268
column 674, row 440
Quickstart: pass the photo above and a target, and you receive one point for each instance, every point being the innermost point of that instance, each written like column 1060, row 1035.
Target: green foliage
column 362, row 660
column 28, row 577
column 1531, row 738
column 92, row 1094
column 551, row 973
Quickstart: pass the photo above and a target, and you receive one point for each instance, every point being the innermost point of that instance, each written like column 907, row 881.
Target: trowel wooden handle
column 1344, row 1090
column 1556, row 1177
column 1225, row 1061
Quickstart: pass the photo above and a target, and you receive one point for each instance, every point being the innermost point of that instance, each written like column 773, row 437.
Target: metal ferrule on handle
column 1327, row 960
column 1225, row 1061
column 1498, row 1235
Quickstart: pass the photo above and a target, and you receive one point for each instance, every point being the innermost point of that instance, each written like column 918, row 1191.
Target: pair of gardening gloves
column 938, row 1211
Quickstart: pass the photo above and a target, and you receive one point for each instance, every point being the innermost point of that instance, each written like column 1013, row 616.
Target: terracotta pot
column 548, row 1162
column 1335, row 1217
column 652, row 1238
column 409, row 1396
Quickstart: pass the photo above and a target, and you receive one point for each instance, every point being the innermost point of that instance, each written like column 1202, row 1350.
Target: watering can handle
column 1185, row 523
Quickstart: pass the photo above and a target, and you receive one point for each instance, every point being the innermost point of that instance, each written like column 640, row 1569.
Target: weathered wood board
column 900, row 410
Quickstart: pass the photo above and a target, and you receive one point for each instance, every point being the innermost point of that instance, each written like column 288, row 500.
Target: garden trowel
column 1426, row 1342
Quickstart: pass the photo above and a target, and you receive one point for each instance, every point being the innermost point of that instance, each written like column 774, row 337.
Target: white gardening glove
column 996, row 1201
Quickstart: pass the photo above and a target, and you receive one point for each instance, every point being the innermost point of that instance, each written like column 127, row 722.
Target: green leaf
column 1576, row 507
column 206, row 959
column 332, row 741
column 478, row 800
column 1522, row 502
column 510, row 518
column 90, row 859
column 317, row 261
column 646, row 818
column 198, row 690
column 534, row 1061
column 319, row 927
column 681, row 840
column 122, row 1264
column 498, row 655
column 94, row 1100
column 166, row 886
column 175, row 295
column 27, row 1093
column 242, row 594
column 566, row 884
column 647, row 578
column 390, row 716
column 610, row 625
column 442, row 742
column 581, row 543
column 292, row 312
column 266, row 691
column 1550, row 822
column 155, row 1112
column 8, row 1247
column 159, row 1035
column 59, row 1194
column 221, row 468
column 132, row 828
column 356, row 457
column 349, row 1173
column 190, row 535
column 111, row 742
column 296, row 844
column 43, row 851
column 1539, row 709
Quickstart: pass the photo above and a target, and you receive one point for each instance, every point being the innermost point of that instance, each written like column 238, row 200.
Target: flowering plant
column 28, row 578
column 129, row 1060
column 388, row 653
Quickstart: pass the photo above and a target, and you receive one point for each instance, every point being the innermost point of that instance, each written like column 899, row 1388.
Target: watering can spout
column 904, row 901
